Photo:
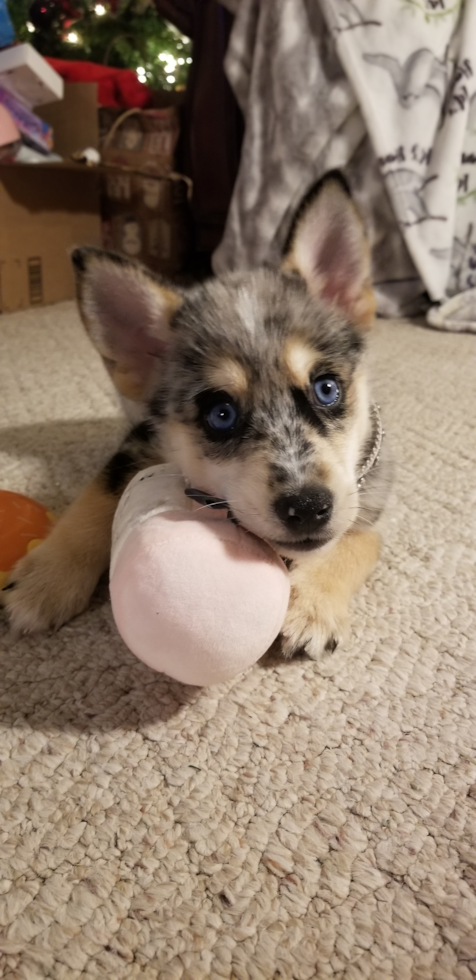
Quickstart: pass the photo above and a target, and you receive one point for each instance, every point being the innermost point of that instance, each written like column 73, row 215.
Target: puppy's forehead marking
column 300, row 359
column 229, row 375
column 247, row 307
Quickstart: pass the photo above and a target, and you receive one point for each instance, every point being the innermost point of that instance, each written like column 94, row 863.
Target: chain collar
column 373, row 454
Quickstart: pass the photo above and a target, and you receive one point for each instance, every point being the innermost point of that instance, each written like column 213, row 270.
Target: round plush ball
column 23, row 525
column 198, row 599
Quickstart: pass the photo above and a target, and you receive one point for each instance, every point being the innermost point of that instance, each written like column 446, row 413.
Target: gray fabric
column 418, row 99
column 302, row 119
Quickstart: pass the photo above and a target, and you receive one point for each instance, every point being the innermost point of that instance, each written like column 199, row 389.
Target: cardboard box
column 45, row 209
column 147, row 218
column 48, row 208
column 74, row 120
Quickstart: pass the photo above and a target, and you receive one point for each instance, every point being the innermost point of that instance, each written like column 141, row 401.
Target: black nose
column 305, row 512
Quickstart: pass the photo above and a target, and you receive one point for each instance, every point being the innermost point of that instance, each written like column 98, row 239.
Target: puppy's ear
column 127, row 313
column 328, row 248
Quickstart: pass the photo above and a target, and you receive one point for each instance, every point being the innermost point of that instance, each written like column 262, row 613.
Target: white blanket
column 383, row 88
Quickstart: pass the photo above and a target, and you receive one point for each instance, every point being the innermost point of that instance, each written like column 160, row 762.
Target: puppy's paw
column 321, row 590
column 317, row 617
column 47, row 588
column 314, row 625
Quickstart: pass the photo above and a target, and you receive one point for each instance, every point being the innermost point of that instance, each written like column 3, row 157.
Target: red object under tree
column 118, row 88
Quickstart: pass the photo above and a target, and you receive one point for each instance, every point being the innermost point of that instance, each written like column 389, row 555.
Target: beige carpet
column 302, row 821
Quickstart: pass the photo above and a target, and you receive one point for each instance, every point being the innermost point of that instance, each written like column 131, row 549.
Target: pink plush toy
column 193, row 595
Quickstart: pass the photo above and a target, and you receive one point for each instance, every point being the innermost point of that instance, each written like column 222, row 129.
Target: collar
column 373, row 446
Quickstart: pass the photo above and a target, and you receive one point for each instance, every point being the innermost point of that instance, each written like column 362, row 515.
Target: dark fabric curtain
column 212, row 122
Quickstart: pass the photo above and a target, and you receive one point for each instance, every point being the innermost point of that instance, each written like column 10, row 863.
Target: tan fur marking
column 300, row 360
column 230, row 376
column 127, row 382
column 173, row 300
column 344, row 570
column 365, row 308
column 288, row 264
column 57, row 579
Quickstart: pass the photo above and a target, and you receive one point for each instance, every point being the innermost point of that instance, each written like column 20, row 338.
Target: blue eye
column 327, row 391
column 222, row 418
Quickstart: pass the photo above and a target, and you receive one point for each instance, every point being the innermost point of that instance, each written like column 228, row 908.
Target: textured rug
column 303, row 821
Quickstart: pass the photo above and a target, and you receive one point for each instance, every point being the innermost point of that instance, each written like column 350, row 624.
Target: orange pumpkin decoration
column 24, row 523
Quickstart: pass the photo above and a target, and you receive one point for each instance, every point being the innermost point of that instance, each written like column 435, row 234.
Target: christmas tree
column 120, row 33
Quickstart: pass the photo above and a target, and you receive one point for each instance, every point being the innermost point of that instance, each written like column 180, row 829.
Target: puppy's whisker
column 360, row 515
column 209, row 507
column 225, row 507
column 365, row 520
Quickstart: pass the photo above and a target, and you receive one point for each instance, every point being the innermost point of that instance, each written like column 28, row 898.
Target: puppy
column 254, row 385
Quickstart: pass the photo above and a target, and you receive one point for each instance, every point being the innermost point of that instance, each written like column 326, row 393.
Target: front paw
column 321, row 590
column 46, row 588
column 316, row 622
column 313, row 632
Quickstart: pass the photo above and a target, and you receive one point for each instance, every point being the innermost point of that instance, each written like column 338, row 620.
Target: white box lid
column 25, row 73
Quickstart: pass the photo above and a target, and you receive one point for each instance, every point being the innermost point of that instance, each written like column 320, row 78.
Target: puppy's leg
column 321, row 590
column 56, row 580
